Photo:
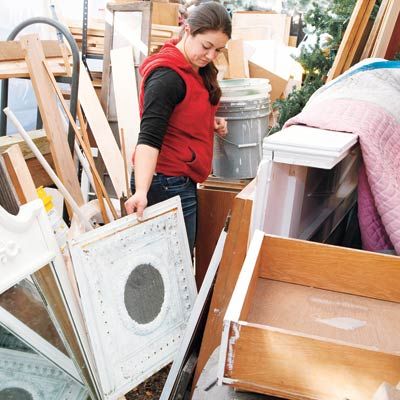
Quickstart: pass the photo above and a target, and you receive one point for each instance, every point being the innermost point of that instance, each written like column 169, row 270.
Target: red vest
column 188, row 143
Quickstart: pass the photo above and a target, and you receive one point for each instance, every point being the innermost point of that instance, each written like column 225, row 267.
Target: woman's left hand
column 220, row 126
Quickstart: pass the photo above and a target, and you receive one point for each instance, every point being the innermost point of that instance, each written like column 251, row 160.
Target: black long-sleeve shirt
column 163, row 90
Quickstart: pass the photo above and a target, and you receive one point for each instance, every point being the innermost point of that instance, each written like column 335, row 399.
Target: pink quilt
column 379, row 180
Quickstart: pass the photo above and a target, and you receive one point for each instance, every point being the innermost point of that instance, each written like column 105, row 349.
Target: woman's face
column 204, row 47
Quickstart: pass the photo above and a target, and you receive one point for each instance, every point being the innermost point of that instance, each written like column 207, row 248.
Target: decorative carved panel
column 137, row 290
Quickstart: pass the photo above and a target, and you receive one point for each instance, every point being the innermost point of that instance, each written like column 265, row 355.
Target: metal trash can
column 245, row 104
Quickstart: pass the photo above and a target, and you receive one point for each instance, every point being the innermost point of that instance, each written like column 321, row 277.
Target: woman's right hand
column 138, row 203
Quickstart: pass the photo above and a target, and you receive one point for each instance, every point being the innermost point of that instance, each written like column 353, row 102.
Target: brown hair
column 210, row 16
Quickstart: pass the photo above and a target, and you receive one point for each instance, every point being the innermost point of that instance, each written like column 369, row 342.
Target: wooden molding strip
column 348, row 39
column 375, row 30
column 53, row 124
column 101, row 131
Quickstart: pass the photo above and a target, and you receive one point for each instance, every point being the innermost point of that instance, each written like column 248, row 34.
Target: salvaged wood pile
column 161, row 34
column 95, row 35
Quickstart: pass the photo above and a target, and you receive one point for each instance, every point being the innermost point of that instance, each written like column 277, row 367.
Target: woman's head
column 207, row 30
column 210, row 16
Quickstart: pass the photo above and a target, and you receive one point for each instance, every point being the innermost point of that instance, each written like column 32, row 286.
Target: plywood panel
column 355, row 320
column 304, row 368
column 332, row 268
column 165, row 13
column 232, row 259
column 213, row 208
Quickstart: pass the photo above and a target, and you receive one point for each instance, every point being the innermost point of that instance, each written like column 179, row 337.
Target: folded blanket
column 366, row 101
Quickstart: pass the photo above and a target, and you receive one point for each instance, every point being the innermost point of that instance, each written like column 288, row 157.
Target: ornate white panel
column 24, row 246
column 28, row 376
column 137, row 290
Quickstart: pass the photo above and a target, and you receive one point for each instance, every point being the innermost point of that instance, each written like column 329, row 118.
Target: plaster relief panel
column 137, row 290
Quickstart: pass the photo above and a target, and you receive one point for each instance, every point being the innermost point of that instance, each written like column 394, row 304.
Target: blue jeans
column 164, row 187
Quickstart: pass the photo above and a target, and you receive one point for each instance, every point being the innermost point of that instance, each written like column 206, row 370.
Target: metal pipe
column 74, row 78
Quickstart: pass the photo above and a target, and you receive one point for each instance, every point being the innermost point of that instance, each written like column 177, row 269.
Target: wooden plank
column 8, row 199
column 39, row 138
column 232, row 260
column 330, row 267
column 351, row 56
column 387, row 28
column 12, row 51
column 39, row 175
column 126, row 98
column 298, row 367
column 348, row 39
column 83, row 141
column 278, row 84
column 394, row 44
column 52, row 121
column 375, row 30
column 19, row 69
column 238, row 64
column 213, row 208
column 19, row 173
column 165, row 14
column 101, row 131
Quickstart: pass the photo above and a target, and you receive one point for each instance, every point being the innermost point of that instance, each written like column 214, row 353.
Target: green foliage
column 328, row 18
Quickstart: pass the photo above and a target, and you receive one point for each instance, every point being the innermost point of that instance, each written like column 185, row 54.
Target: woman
column 178, row 100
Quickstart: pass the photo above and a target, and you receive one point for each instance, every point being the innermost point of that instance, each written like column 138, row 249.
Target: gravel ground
column 151, row 388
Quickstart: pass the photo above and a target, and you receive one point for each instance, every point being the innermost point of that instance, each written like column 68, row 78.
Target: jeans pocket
column 176, row 182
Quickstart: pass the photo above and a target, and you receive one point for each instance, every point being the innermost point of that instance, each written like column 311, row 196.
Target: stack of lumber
column 95, row 36
column 360, row 41
column 160, row 34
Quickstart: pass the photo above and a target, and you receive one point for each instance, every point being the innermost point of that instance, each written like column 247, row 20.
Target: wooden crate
column 312, row 321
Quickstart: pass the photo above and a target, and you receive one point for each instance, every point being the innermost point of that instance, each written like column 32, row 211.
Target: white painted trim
column 39, row 344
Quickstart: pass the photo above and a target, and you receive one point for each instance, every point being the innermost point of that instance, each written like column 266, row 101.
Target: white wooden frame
column 29, row 245
column 125, row 353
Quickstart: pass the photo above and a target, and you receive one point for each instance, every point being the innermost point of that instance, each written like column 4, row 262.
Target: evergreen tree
column 327, row 20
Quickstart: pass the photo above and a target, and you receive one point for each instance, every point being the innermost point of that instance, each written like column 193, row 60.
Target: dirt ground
column 151, row 388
